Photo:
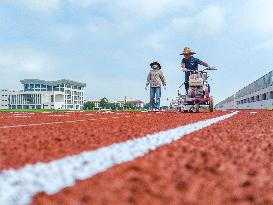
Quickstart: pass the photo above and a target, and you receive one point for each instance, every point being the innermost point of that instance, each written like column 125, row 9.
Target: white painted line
column 253, row 112
column 18, row 186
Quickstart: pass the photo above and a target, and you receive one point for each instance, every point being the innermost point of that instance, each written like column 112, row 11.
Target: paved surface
column 230, row 162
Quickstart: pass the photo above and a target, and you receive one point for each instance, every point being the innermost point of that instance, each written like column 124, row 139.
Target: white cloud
column 156, row 41
column 210, row 20
column 267, row 44
column 149, row 9
column 83, row 3
column 65, row 32
column 254, row 16
column 24, row 60
column 135, row 9
column 43, row 6
column 97, row 24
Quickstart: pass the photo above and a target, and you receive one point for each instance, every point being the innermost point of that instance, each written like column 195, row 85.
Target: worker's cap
column 155, row 63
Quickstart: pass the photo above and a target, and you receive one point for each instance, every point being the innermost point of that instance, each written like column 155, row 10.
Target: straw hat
column 187, row 51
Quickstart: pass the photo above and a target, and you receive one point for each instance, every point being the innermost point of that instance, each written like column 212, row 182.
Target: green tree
column 88, row 106
column 112, row 106
column 165, row 107
column 146, row 106
column 104, row 102
column 129, row 105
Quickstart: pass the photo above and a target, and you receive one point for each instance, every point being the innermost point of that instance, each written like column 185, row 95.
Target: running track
column 228, row 162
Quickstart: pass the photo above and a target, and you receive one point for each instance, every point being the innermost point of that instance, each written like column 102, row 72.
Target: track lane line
column 18, row 186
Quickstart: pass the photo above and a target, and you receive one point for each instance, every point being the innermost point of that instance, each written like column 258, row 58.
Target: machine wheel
column 211, row 104
column 180, row 109
column 196, row 107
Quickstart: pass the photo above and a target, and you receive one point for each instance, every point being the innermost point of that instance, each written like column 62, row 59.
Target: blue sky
column 109, row 44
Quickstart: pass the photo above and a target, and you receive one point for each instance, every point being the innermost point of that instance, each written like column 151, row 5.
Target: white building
column 41, row 94
column 257, row 95
column 4, row 98
column 138, row 104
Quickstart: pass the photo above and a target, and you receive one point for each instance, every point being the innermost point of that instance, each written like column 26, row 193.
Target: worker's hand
column 211, row 68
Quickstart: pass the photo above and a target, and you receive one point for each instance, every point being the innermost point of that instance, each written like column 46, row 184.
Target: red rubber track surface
column 30, row 144
column 230, row 162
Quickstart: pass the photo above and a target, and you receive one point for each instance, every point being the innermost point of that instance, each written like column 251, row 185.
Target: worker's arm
column 148, row 80
column 162, row 78
column 183, row 67
column 204, row 64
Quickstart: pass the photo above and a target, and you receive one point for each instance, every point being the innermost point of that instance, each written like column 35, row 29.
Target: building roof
column 130, row 101
column 52, row 83
column 93, row 101
column 135, row 101
column 119, row 101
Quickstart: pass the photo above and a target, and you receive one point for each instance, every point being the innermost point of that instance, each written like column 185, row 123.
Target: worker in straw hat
column 155, row 78
column 190, row 63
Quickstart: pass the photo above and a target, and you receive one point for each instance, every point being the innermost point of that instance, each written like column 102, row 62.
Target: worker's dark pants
column 187, row 87
column 187, row 77
column 155, row 94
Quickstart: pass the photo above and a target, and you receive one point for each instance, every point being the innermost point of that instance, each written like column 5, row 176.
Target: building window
column 56, row 88
column 257, row 98
column 43, row 86
column 37, row 85
column 271, row 95
column 264, row 96
column 49, row 88
column 52, row 98
column 31, row 86
column 252, row 99
column 26, row 86
column 68, row 86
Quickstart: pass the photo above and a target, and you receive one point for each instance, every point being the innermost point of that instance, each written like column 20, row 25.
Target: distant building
column 139, row 104
column 96, row 103
column 257, row 95
column 41, row 94
column 4, row 98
